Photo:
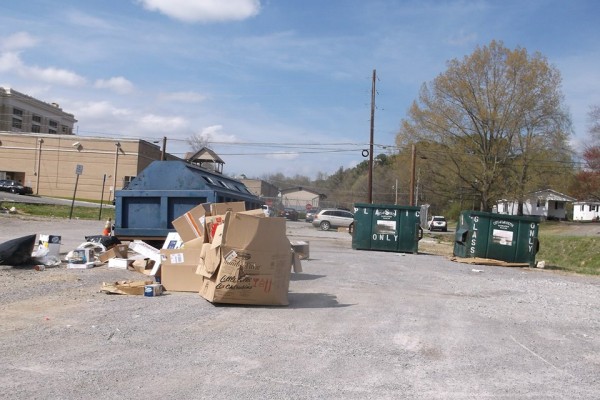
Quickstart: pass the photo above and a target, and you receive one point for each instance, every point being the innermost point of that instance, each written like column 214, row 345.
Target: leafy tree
column 486, row 112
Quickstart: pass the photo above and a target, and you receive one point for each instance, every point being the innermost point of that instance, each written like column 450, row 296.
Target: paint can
column 152, row 290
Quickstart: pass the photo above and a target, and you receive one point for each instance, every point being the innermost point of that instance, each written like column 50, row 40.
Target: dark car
column 9, row 185
column 289, row 213
column 310, row 214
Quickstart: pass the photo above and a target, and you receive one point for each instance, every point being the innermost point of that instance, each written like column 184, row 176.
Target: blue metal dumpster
column 166, row 190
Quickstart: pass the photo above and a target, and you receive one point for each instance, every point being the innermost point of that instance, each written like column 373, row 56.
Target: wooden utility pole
column 371, row 141
column 164, row 149
column 413, row 160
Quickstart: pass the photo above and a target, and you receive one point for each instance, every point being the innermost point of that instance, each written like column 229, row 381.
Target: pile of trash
column 222, row 251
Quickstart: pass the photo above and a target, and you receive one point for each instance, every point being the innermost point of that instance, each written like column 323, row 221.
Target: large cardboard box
column 178, row 267
column 222, row 208
column 253, row 266
column 192, row 225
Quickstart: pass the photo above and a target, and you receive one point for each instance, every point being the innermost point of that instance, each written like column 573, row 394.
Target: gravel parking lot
column 360, row 325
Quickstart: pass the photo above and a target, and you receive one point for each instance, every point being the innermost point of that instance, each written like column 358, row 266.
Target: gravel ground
column 360, row 325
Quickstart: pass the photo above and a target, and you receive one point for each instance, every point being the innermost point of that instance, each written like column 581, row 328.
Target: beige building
column 301, row 199
column 22, row 113
column 50, row 163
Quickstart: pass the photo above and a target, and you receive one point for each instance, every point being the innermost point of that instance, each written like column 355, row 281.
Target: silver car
column 329, row 218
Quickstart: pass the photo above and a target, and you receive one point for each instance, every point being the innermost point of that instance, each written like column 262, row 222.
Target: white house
column 586, row 211
column 300, row 198
column 547, row 203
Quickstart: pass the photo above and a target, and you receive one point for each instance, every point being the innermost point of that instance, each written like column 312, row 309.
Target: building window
column 18, row 112
column 53, row 124
column 64, row 129
column 36, row 118
column 17, row 123
column 539, row 203
column 52, row 131
column 35, row 128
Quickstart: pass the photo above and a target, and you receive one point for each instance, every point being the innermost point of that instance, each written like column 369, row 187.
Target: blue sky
column 276, row 85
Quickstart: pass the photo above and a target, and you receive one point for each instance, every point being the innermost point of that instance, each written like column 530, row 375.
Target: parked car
column 9, row 185
column 267, row 210
column 289, row 213
column 439, row 223
column 333, row 218
column 310, row 214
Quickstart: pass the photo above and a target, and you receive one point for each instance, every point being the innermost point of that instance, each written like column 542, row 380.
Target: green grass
column 61, row 211
column 577, row 254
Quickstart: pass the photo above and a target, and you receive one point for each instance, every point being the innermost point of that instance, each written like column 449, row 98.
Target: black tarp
column 17, row 251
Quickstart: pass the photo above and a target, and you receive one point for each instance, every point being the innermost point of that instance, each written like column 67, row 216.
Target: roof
column 544, row 194
column 549, row 194
column 298, row 189
column 204, row 154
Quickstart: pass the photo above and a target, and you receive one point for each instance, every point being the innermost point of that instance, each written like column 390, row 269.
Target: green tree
column 487, row 111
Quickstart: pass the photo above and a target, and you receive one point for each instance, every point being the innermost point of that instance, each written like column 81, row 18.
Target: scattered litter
column 487, row 261
column 125, row 287
column 476, row 270
column 81, row 259
column 39, row 267
column 541, row 264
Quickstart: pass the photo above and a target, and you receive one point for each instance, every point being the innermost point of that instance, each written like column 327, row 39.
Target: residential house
column 586, row 211
column 547, row 203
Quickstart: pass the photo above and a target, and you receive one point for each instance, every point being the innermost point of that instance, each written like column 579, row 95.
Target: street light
column 39, row 161
column 117, row 149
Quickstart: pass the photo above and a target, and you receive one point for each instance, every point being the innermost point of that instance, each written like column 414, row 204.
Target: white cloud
column 284, row 156
column 216, row 134
column 100, row 110
column 159, row 123
column 17, row 41
column 117, row 84
column 183, row 97
column 53, row 75
column 11, row 62
column 204, row 10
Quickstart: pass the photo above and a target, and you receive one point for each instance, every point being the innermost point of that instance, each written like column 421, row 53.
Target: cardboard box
column 254, row 263
column 117, row 251
column 81, row 259
column 301, row 248
column 191, row 225
column 119, row 263
column 178, row 267
column 173, row 241
column 222, row 208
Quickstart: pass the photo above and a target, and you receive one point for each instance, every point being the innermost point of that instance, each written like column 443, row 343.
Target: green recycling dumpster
column 386, row 227
column 501, row 237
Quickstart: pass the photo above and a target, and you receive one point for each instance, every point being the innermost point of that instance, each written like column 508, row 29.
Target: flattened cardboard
column 191, row 225
column 254, row 267
column 147, row 251
column 117, row 251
